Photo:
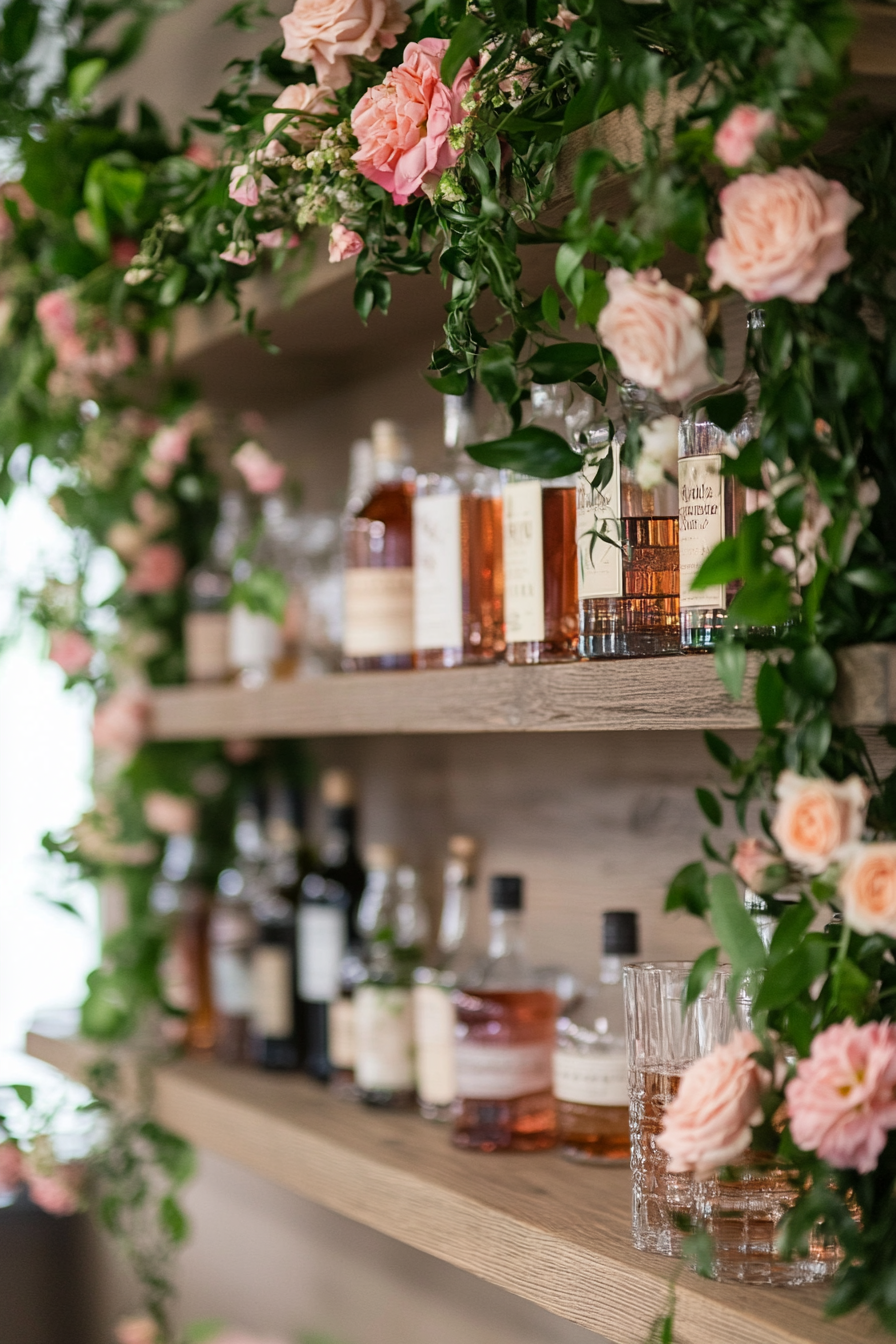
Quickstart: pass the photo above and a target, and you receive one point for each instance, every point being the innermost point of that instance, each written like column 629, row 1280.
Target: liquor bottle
column 590, row 1059
column 277, row 1038
column 208, row 587
column 181, row 900
column 361, row 477
column 504, row 1042
column 322, row 945
column 458, row 576
column 394, row 924
column 541, row 612
column 711, row 505
column 256, row 640
column 627, row 540
column 434, row 1015
column 232, row 936
column 339, row 859
column 379, row 574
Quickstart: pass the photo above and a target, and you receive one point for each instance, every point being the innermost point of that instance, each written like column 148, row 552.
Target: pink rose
column 240, row 256
column 274, row 238
column 244, row 187
column 868, row 888
column 324, row 32
column 137, row 1330
column 565, row 18
column 127, row 540
column 58, row 1193
column 843, row 1098
column 783, row 235
column 307, row 99
column 816, row 818
column 751, row 862
column 240, row 1337
column 402, row 124
column 656, row 333
column 708, row 1123
column 735, row 140
column 11, row 1171
column 158, row 569
column 113, row 356
column 344, row 243
column 802, row 559
column 201, row 154
column 154, row 514
column 71, row 650
column 158, row 474
column 258, row 469
column 169, row 813
column 120, row 723
column 57, row 315
column 171, row 443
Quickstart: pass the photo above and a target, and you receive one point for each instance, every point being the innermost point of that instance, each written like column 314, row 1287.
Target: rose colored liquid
column 482, row 587
column 644, row 622
column 593, row 1133
column 388, row 547
column 561, row 585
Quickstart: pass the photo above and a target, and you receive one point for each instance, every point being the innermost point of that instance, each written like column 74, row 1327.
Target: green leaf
column 814, row 671
column 710, row 806
column 733, row 927
column 791, row 926
column 497, row 373
column 722, row 565
column 264, row 593
column 466, row 41
column 764, row 600
column 700, row 975
column 569, row 259
column 532, row 450
column 567, row 359
column 871, row 580
column 451, row 384
column 731, row 666
column 770, row 691
column 20, row 20
column 788, row 978
column 84, row 77
column 24, row 1092
column 720, row 751
column 688, row 890
column 850, row 988
column 173, row 286
column 550, row 307
column 726, row 410
column 173, row 1220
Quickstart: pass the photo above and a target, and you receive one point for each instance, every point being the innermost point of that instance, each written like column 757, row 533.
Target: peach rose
column 137, row 1330
column 57, row 315
column 783, row 235
column 169, row 813
column 307, row 99
column 842, row 1101
column 402, row 124
column 258, row 469
column 324, row 32
column 656, row 333
column 708, row 1123
column 71, row 650
column 245, row 188
column 159, row 568
column 752, row 860
column 735, row 140
column 867, row 887
column 816, row 818
column 344, row 243
column 11, row 1172
column 120, row 723
column 127, row 540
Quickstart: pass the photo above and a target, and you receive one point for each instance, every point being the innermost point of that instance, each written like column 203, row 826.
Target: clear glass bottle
column 590, row 1059
column 322, row 945
column 255, row 639
column 711, row 505
column 394, row 925
column 208, row 587
column 232, row 936
column 434, row 1015
column 541, row 612
column 277, row 1036
column 378, row 630
column 627, row 545
column 505, row 1040
column 180, row 898
column 458, row 574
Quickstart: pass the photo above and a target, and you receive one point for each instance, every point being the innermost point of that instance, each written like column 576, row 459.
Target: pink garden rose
column 71, row 650
column 57, row 315
column 244, row 187
column 751, row 862
column 203, row 155
column 169, row 813
column 656, row 333
column 867, row 888
column 402, row 124
column 120, row 723
column 240, row 256
column 783, row 235
column 324, row 32
column 309, row 99
column 158, row 569
column 344, row 243
column 258, row 469
column 843, row 1098
column 57, row 1192
column 274, row 238
column 817, row 818
column 171, row 443
column 708, row 1123
column 735, row 140
column 137, row 1330
column 11, row 1171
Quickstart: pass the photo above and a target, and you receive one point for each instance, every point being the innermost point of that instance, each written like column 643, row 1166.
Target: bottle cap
column 337, row 788
column 621, row 933
column 461, row 846
column 389, row 444
column 381, row 858
column 506, row 893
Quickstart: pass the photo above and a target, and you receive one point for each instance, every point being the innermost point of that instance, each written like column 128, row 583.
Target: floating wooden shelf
column 533, row 1224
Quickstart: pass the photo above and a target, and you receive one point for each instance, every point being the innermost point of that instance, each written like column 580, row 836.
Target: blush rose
column 868, row 889
column 258, row 469
column 655, row 331
column 817, row 818
column 245, row 188
column 708, row 1123
column 344, row 243
column 323, row 33
column 120, row 723
column 137, row 1330
column 735, row 140
column 752, row 860
column 71, row 650
column 308, row 99
column 842, row 1101
column 402, row 124
column 783, row 235
column 158, row 569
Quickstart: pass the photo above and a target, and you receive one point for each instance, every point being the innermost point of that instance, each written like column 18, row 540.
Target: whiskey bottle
column 711, row 505
column 394, row 926
column 208, row 587
column 504, row 1041
column 627, row 540
column 541, row 614
column 458, row 609
column 434, row 1015
column 379, row 575
column 590, row 1060
column 180, row 898
column 232, row 936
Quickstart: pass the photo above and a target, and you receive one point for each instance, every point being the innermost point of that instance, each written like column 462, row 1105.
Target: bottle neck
column 506, row 937
column 455, row 911
column 339, row 836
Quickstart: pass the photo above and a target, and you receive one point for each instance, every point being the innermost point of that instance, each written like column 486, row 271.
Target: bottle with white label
column 232, row 936
column 395, row 927
column 590, row 1060
column 378, row 628
column 504, row 1041
column 208, row 587
column 627, row 535
column 322, row 945
column 276, row 1019
column 434, row 1015
column 711, row 505
column 541, row 605
column 458, row 576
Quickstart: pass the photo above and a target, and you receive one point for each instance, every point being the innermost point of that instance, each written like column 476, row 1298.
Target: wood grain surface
column 535, row 1225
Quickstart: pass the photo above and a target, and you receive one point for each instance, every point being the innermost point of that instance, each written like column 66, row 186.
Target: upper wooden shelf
column 556, row 1234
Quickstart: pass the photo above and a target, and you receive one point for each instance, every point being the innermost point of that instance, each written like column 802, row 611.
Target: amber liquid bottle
column 504, row 1042
column 181, row 899
column 379, row 563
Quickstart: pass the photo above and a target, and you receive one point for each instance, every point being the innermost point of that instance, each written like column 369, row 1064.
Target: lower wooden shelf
column 533, row 1224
